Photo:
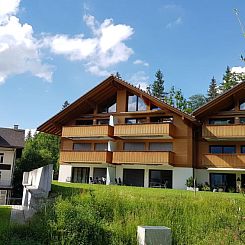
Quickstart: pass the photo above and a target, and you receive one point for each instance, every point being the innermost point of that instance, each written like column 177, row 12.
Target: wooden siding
column 140, row 130
column 147, row 157
column 85, row 157
column 88, row 131
column 223, row 131
column 223, row 160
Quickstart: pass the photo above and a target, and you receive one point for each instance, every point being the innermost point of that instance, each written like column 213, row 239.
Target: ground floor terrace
column 223, row 179
column 126, row 174
column 220, row 179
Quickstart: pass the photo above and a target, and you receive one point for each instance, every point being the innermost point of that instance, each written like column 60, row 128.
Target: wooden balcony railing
column 144, row 130
column 223, row 160
column 146, row 157
column 85, row 156
column 87, row 131
column 223, row 131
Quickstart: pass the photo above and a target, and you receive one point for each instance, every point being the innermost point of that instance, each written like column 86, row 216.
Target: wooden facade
column 116, row 113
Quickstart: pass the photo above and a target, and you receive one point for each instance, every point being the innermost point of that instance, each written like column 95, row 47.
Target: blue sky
column 52, row 51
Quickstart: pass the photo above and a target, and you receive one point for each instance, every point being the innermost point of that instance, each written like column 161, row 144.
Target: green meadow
column 98, row 214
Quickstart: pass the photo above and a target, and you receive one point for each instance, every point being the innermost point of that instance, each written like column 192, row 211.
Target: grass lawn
column 204, row 218
column 82, row 214
column 5, row 212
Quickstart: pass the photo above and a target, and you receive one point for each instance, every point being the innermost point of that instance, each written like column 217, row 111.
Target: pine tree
column 66, row 104
column 212, row 90
column 157, row 88
column 29, row 135
column 230, row 79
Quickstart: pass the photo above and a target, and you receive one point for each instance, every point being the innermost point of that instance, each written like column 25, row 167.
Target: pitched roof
column 54, row 124
column 12, row 138
column 218, row 100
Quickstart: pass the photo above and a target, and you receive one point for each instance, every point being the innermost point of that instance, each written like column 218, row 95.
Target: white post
column 154, row 235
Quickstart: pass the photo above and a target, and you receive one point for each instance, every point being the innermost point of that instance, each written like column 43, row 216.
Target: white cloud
column 174, row 23
column 104, row 49
column 238, row 69
column 141, row 62
column 8, row 7
column 139, row 79
column 19, row 50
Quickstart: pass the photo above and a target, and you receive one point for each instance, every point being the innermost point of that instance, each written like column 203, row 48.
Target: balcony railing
column 88, row 131
column 223, row 160
column 236, row 131
column 163, row 130
column 85, row 157
column 144, row 157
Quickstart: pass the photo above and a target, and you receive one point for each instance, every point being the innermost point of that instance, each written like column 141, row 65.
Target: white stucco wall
column 6, row 175
column 65, row 173
column 180, row 175
column 201, row 176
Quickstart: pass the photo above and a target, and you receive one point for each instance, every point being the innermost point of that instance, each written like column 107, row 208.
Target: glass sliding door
column 221, row 180
column 80, row 175
column 161, row 178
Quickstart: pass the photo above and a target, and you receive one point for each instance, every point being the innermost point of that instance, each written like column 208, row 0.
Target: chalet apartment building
column 119, row 133
column 11, row 145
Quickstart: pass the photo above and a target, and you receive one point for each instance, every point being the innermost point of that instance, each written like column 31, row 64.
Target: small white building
column 11, row 145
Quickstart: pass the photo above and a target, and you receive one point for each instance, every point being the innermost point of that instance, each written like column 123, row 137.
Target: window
column 242, row 105
column 155, row 108
column 82, row 146
column 101, row 146
column 242, row 120
column 103, row 121
column 161, row 119
column 134, row 146
column 110, row 107
column 221, row 121
column 160, row 146
column 161, row 178
column 135, row 103
column 1, row 157
column 135, row 120
column 84, row 122
column 226, row 149
column 243, row 149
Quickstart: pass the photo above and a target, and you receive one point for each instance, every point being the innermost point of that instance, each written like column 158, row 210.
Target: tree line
column 175, row 97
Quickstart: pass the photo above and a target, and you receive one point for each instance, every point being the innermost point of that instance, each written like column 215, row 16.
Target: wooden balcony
column 144, row 157
column 226, row 132
column 223, row 160
column 85, row 157
column 88, row 131
column 151, row 130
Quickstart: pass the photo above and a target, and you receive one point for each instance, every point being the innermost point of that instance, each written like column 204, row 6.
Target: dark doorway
column 243, row 181
column 133, row 177
column 80, row 175
column 99, row 175
column 161, row 178
column 225, row 181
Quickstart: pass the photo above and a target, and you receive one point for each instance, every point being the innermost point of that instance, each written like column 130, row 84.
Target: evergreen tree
column 157, row 88
column 66, row 104
column 29, row 135
column 212, row 90
column 196, row 101
column 230, row 79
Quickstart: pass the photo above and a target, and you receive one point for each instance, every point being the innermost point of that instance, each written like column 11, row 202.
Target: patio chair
column 119, row 181
column 116, row 181
column 91, row 181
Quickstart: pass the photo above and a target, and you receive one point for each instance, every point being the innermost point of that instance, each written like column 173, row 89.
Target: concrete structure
column 37, row 185
column 11, row 145
column 119, row 132
column 154, row 235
